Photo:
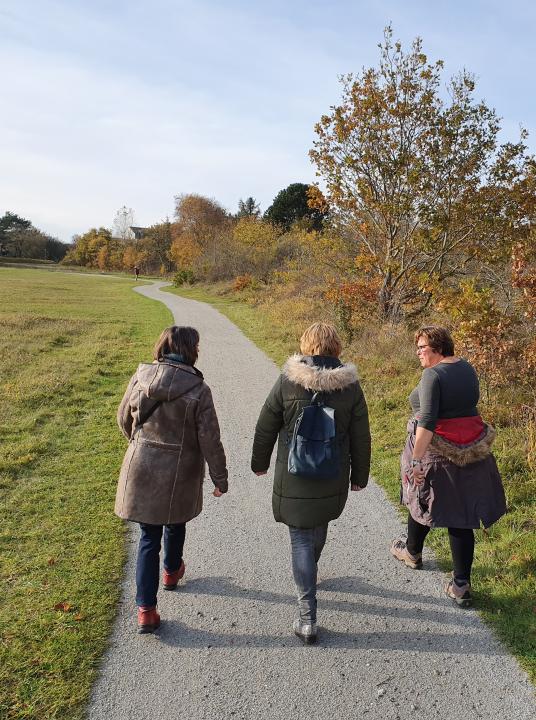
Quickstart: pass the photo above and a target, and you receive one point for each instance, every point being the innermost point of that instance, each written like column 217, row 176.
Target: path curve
column 390, row 645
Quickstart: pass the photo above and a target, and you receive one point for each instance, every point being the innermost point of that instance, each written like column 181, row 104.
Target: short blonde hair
column 321, row 339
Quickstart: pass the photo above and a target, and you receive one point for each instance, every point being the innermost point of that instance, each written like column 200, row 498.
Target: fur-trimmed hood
column 318, row 379
column 462, row 455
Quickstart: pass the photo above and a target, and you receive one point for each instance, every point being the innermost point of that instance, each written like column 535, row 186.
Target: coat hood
column 462, row 455
column 318, row 379
column 165, row 381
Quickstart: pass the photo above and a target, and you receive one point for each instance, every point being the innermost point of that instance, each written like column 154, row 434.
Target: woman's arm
column 429, row 390
column 423, row 438
column 124, row 415
column 429, row 399
column 359, row 434
column 268, row 426
column 208, row 434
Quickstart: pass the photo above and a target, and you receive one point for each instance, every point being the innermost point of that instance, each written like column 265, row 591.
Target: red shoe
column 148, row 620
column 171, row 579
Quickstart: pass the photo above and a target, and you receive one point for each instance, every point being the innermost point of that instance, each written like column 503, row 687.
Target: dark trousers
column 462, row 547
column 148, row 564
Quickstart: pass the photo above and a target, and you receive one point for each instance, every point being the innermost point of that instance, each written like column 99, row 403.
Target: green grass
column 504, row 573
column 4, row 260
column 67, row 348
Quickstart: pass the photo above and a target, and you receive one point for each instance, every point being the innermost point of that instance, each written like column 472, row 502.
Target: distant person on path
column 307, row 504
column 136, row 272
column 449, row 476
column 168, row 417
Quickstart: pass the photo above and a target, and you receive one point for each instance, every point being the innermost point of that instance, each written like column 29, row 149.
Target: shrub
column 183, row 277
column 241, row 282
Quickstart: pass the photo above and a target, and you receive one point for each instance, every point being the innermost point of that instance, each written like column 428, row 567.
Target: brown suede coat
column 168, row 416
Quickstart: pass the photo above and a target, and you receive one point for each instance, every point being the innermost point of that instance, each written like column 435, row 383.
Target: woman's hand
column 217, row 492
column 356, row 488
column 261, row 472
column 418, row 474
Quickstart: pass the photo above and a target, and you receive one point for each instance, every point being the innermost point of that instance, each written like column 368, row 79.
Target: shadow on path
column 175, row 634
column 226, row 587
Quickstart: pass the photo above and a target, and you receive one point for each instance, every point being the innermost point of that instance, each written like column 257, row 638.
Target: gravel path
column 390, row 646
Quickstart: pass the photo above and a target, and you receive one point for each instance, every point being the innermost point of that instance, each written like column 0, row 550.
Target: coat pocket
column 170, row 447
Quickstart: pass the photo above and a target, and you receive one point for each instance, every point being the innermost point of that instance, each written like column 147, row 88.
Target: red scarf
column 460, row 430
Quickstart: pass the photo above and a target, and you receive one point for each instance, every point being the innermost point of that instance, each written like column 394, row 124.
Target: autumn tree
column 248, row 208
column 96, row 249
column 184, row 251
column 134, row 255
column 202, row 227
column 254, row 244
column 418, row 182
column 291, row 205
column 523, row 278
column 156, row 245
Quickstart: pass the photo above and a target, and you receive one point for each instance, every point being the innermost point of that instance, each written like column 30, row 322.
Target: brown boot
column 170, row 579
column 461, row 594
column 148, row 620
column 400, row 551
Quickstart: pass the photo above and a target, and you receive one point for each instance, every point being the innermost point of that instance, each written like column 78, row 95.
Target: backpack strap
column 146, row 417
column 149, row 413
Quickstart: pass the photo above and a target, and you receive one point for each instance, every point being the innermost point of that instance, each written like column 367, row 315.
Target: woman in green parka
column 307, row 504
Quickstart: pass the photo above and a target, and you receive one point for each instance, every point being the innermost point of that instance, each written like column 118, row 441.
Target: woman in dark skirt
column 449, row 475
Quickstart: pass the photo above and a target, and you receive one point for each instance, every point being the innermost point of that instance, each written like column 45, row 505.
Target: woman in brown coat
column 168, row 417
column 449, row 476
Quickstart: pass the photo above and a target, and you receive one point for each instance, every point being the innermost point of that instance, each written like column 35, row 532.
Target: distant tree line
column 20, row 239
column 203, row 241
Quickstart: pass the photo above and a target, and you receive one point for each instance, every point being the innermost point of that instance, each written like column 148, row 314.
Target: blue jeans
column 306, row 545
column 148, row 564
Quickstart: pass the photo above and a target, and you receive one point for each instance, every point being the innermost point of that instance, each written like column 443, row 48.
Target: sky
column 105, row 104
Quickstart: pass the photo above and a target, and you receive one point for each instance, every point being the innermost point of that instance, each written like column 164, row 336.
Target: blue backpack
column 314, row 451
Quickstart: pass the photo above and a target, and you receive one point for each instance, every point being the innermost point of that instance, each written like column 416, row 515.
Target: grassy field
column 504, row 573
column 67, row 347
column 24, row 261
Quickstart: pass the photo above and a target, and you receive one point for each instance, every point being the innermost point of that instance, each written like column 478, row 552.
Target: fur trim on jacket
column 316, row 378
column 462, row 455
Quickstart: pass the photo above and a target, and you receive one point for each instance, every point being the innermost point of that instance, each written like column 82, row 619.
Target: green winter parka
column 307, row 502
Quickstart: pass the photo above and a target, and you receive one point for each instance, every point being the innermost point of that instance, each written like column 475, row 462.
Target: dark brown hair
column 179, row 341
column 438, row 338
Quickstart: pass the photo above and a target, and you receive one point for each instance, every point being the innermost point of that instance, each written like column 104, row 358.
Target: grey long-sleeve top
column 447, row 390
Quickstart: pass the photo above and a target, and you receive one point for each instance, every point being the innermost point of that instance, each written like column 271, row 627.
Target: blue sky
column 107, row 104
